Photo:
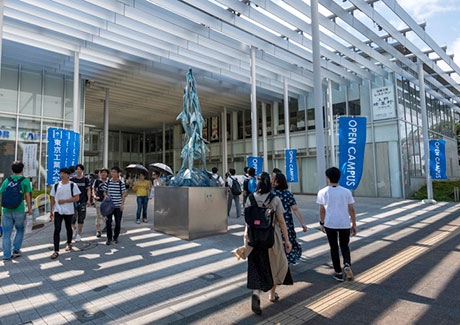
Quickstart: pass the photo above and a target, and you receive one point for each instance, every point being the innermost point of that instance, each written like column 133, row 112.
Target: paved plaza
column 406, row 260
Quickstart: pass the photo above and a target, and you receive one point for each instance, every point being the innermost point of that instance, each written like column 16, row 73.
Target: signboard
column 383, row 103
column 438, row 159
column 29, row 157
column 63, row 151
column 292, row 175
column 352, row 142
column 256, row 163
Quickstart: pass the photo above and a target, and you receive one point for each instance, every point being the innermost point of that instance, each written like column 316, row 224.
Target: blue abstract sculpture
column 195, row 145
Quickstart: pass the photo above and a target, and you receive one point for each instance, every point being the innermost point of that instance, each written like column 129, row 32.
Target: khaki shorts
column 100, row 220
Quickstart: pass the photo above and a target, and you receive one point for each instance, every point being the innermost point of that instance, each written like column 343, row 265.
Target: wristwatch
column 321, row 223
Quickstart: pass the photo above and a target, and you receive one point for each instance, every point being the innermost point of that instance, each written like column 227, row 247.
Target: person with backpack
column 98, row 195
column 116, row 189
column 216, row 177
column 80, row 207
column 267, row 267
column 63, row 196
column 14, row 190
column 249, row 184
column 234, row 192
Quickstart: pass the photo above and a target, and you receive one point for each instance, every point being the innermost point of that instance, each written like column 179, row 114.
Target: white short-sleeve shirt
column 64, row 193
column 336, row 201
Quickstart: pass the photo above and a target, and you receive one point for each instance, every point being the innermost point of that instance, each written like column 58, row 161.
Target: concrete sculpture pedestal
column 190, row 212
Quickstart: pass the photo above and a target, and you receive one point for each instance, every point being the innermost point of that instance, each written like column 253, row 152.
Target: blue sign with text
column 256, row 163
column 438, row 159
column 352, row 142
column 292, row 174
column 63, row 151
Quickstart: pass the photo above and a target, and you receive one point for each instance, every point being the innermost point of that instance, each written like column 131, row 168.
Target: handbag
column 107, row 206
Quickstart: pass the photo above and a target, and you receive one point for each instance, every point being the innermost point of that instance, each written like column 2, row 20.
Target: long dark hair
column 281, row 182
column 264, row 184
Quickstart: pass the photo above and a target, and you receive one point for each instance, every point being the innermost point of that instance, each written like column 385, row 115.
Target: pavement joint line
column 319, row 303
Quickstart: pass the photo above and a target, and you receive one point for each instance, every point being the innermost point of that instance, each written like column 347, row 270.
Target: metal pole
column 254, row 121
column 331, row 122
column 264, row 135
column 105, row 162
column 76, row 101
column 320, row 159
column 429, row 184
column 286, row 115
column 224, row 141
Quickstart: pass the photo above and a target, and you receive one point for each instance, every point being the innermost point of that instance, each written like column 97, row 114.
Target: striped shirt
column 115, row 191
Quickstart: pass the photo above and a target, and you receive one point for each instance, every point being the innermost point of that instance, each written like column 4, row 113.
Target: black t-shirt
column 83, row 184
column 98, row 187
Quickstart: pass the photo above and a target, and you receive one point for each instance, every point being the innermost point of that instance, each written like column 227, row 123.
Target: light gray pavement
column 406, row 259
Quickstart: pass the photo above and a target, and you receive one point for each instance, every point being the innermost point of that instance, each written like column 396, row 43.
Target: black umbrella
column 137, row 168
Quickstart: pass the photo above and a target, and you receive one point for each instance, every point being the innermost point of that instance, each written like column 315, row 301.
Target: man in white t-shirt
column 217, row 177
column 63, row 196
column 335, row 211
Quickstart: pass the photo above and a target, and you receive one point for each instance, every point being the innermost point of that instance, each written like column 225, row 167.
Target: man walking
column 14, row 217
column 63, row 195
column 98, row 195
column 80, row 207
column 232, row 197
column 335, row 211
column 116, row 189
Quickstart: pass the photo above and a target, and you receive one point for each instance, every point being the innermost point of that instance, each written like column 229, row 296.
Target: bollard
column 456, row 198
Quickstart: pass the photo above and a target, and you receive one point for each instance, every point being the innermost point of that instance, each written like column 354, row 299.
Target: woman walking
column 280, row 186
column 267, row 267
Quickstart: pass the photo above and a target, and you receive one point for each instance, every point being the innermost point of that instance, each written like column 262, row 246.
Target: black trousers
column 118, row 214
column 336, row 238
column 57, row 228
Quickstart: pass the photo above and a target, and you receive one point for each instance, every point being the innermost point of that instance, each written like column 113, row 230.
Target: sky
column 443, row 21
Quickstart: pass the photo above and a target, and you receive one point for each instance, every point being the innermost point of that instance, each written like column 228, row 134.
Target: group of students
column 269, row 267
column 70, row 197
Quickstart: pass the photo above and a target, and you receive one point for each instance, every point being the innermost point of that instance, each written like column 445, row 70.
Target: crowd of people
column 267, row 267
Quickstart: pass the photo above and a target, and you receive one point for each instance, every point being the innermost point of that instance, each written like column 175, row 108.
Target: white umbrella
column 162, row 167
column 137, row 168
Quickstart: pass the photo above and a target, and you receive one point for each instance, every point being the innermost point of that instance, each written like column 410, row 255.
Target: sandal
column 274, row 297
column 68, row 248
column 54, row 256
column 255, row 304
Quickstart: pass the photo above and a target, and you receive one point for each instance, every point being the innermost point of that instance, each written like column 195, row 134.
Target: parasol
column 137, row 168
column 163, row 167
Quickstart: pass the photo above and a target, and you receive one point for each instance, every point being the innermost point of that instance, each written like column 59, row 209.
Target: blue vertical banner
column 352, row 142
column 256, row 163
column 63, row 151
column 438, row 159
column 292, row 175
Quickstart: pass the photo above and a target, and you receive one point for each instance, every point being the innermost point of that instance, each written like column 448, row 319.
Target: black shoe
column 108, row 242
column 115, row 240
column 98, row 234
column 338, row 276
column 16, row 254
column 255, row 305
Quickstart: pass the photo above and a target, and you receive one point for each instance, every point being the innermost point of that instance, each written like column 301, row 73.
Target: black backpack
column 261, row 231
column 13, row 195
column 236, row 187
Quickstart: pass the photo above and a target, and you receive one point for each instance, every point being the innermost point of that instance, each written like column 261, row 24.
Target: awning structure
column 141, row 50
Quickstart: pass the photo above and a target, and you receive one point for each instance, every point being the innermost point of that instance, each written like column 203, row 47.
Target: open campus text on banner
column 63, row 151
column 352, row 142
column 256, row 163
column 438, row 159
column 292, row 175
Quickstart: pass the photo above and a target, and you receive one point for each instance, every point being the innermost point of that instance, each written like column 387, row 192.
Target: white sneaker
column 74, row 233
column 77, row 238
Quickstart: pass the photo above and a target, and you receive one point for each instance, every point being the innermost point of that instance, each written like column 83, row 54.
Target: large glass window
column 31, row 92
column 53, row 100
column 8, row 90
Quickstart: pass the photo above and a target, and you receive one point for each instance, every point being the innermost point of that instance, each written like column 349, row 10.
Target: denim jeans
column 142, row 202
column 335, row 238
column 235, row 198
column 118, row 214
column 10, row 220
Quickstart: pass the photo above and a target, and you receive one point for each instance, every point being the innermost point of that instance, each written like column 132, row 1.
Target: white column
column 76, row 92
column 164, row 144
column 426, row 145
column 286, row 115
column 264, row 136
column 254, row 121
column 318, row 91
column 224, row 140
column 275, row 117
column 331, row 121
column 235, row 126
column 105, row 160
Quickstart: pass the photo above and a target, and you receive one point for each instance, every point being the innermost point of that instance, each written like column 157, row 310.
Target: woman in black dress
column 267, row 267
